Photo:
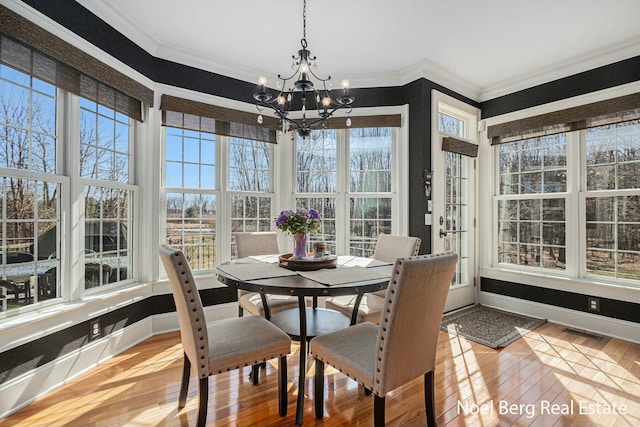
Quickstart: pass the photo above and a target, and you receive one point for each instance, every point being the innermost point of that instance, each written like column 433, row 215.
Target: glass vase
column 300, row 245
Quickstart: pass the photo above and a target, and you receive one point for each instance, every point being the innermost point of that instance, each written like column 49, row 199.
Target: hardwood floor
column 532, row 382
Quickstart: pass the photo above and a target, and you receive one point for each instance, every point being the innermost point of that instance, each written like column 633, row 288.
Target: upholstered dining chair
column 388, row 248
column 253, row 244
column 403, row 346
column 213, row 348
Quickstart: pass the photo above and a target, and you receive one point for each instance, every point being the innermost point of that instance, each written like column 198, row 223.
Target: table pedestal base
column 302, row 328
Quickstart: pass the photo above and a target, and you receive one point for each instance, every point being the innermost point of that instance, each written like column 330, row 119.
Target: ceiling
column 482, row 49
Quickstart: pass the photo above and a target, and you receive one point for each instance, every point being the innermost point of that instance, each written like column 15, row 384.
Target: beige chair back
column 390, row 247
column 193, row 328
column 411, row 316
column 256, row 243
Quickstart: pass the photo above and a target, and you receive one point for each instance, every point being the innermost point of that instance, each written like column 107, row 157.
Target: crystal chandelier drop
column 319, row 93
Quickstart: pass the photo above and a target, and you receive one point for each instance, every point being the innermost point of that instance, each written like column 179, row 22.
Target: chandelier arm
column 295, row 125
column 319, row 78
column 288, row 78
column 338, row 107
column 275, row 109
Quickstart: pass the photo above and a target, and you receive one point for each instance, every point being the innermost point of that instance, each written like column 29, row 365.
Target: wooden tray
column 308, row 263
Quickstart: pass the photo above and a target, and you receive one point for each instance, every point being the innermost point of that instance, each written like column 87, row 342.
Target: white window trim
column 596, row 286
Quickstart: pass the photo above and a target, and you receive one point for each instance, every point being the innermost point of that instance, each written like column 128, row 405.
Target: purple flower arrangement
column 300, row 221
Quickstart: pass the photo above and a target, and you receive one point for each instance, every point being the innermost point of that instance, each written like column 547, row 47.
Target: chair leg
column 282, row 386
column 318, row 391
column 378, row 411
column 367, row 391
column 240, row 311
column 255, row 373
column 184, row 386
column 429, row 399
column 203, row 387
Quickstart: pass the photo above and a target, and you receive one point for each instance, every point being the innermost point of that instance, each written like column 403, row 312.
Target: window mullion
column 222, row 244
column 75, row 214
column 343, row 206
column 574, row 208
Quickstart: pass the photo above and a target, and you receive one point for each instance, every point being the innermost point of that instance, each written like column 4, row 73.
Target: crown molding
column 430, row 70
column 626, row 51
column 424, row 69
column 134, row 31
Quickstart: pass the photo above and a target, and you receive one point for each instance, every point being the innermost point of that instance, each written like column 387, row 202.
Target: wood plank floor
column 539, row 380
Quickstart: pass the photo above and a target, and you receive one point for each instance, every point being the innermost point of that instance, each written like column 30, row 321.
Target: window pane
column 613, row 153
column 104, row 144
column 27, row 122
column 30, row 242
column 613, row 236
column 531, row 232
column 369, row 217
column 536, row 165
column 107, row 228
column 316, row 162
column 249, row 166
column 451, row 125
column 189, row 159
column 370, row 160
column 191, row 227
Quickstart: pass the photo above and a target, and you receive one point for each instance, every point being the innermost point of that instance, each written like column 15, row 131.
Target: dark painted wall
column 606, row 77
column 623, row 310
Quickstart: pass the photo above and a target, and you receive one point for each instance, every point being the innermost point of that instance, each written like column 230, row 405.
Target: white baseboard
column 19, row 392
column 608, row 326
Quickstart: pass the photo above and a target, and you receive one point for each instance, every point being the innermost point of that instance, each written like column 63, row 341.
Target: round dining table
column 304, row 323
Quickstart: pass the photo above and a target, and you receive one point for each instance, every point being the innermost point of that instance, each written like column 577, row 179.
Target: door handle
column 444, row 233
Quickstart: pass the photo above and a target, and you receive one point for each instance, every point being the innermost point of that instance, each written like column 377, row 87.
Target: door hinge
column 474, row 282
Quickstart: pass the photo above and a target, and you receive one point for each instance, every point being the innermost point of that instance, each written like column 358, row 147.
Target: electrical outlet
column 593, row 304
column 95, row 331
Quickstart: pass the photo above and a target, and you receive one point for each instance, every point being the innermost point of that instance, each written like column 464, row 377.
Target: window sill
column 590, row 286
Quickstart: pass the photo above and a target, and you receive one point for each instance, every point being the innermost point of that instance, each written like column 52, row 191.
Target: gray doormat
column 488, row 326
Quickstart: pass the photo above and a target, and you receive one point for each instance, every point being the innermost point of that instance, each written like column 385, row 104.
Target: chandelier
column 303, row 64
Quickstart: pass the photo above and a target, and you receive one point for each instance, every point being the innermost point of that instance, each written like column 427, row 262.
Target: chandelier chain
column 304, row 20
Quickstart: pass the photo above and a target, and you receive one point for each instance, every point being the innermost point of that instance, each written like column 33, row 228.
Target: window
column 612, row 201
column 537, row 208
column 104, row 165
column 532, row 202
column 190, row 190
column 199, row 195
column 36, row 197
column 363, row 194
column 220, row 179
column 250, row 186
column 30, row 190
column 317, row 180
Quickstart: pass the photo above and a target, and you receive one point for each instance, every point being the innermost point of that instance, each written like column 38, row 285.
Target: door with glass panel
column 453, row 195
